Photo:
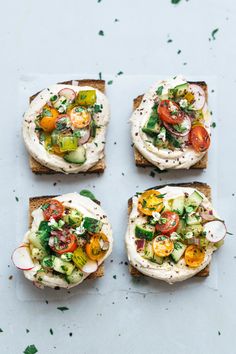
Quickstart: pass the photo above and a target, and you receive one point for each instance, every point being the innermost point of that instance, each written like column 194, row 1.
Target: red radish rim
column 67, row 90
column 14, row 261
column 84, row 139
column 210, row 238
column 196, row 88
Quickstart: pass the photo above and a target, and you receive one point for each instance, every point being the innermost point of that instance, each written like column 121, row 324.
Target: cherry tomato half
column 168, row 223
column 69, row 244
column 194, row 256
column 150, row 201
column 199, row 138
column 162, row 246
column 170, row 112
column 53, row 209
column 97, row 246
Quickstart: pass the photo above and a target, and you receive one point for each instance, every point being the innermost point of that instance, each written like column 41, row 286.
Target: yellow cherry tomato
column 80, row 117
column 162, row 247
column 150, row 201
column 48, row 122
column 194, row 256
column 97, row 246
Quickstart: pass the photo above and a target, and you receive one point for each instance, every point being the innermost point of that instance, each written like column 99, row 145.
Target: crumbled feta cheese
column 156, row 216
column 52, row 222
column 162, row 134
column 80, row 230
column 183, row 103
column 189, row 235
column 174, row 236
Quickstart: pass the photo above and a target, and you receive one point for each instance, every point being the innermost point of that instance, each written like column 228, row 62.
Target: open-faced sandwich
column 68, row 240
column 171, row 125
column 64, row 128
column 173, row 232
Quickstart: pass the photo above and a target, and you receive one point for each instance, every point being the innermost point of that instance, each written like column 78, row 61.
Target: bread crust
column 140, row 161
column 203, row 188
column 35, row 203
column 100, row 166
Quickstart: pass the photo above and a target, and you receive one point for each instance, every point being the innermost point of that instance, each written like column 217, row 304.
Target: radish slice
column 199, row 97
column 22, row 259
column 85, row 135
column 186, row 123
column 215, row 230
column 68, row 93
column 90, row 266
column 140, row 244
column 206, row 216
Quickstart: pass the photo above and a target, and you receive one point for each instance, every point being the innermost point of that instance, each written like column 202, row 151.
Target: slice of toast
column 142, row 162
column 35, row 203
column 202, row 187
column 100, row 166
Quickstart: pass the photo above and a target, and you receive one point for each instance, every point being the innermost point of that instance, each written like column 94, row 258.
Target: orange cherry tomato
column 80, row 117
column 194, row 256
column 48, row 122
column 53, row 209
column 69, row 244
column 97, row 246
column 168, row 223
column 162, row 246
column 170, row 112
column 150, row 201
column 199, row 138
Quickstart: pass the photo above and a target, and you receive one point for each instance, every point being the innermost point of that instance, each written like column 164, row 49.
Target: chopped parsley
column 31, row 349
column 63, row 308
column 101, row 33
column 175, row 2
column 159, row 90
column 110, row 82
column 213, row 125
column 120, row 73
column 51, row 331
column 213, row 33
column 179, row 51
column 1, row 331
column 17, row 199
column 100, row 76
column 169, row 40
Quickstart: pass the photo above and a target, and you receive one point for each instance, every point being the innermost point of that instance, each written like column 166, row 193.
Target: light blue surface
column 43, row 42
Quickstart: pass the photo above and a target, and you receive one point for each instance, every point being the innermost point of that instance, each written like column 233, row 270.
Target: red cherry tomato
column 64, row 244
column 199, row 138
column 168, row 223
column 53, row 209
column 170, row 112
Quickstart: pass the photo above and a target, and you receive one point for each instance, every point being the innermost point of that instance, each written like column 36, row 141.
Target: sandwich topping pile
column 65, row 127
column 69, row 238
column 172, row 233
column 171, row 127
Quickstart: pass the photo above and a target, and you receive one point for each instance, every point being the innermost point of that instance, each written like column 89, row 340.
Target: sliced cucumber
column 152, row 127
column 75, row 277
column 150, row 255
column 35, row 240
column 61, row 266
column 145, row 231
column 78, row 156
column 181, row 227
column 193, row 219
column 47, row 262
column 92, row 225
column 179, row 249
column 74, row 218
column 38, row 253
column 193, row 201
column 195, row 229
column 178, row 204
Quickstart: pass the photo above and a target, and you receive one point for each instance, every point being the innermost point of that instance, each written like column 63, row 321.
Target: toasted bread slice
column 35, row 203
column 142, row 162
column 202, row 187
column 100, row 166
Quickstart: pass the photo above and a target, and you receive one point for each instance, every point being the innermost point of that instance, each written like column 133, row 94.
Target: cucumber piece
column 150, row 255
column 47, row 262
column 73, row 218
column 92, row 225
column 197, row 230
column 35, row 240
column 193, row 219
column 74, row 277
column 78, row 156
column 55, row 137
column 179, row 90
column 179, row 249
column 61, row 266
column 146, row 231
column 178, row 204
column 38, row 253
column 193, row 201
column 181, row 227
column 68, row 143
column 152, row 127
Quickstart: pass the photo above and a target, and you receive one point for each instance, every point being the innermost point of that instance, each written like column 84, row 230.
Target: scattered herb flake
column 62, row 308
column 1, row 330
column 27, row 330
column 120, row 73
column 31, row 349
column 169, row 40
column 175, row 2
column 152, row 174
column 114, row 276
column 101, row 33
column 213, row 125
column 158, row 170
column 51, row 331
column 100, row 76
column 159, row 90
column 17, row 199
column 179, row 51
column 116, row 20
column 213, row 33
column 219, row 333
column 99, row 1
column 110, row 82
